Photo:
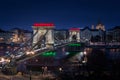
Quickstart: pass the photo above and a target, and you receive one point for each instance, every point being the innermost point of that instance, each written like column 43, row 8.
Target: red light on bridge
column 74, row 29
column 43, row 25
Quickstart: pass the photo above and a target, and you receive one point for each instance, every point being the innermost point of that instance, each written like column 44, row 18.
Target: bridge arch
column 74, row 37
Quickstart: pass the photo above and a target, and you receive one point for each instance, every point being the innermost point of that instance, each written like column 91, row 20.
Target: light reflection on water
column 61, row 53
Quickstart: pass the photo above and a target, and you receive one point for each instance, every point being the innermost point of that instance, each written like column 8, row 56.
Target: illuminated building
column 113, row 35
column 100, row 26
column 20, row 35
column 5, row 36
column 87, row 34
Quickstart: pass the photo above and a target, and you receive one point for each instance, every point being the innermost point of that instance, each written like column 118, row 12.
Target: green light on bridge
column 74, row 44
column 49, row 53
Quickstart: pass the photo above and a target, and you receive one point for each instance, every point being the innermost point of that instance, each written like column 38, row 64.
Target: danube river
column 86, row 64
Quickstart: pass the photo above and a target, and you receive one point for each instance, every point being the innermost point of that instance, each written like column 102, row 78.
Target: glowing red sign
column 43, row 24
column 74, row 29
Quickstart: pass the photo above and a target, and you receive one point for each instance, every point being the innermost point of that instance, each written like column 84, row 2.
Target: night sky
column 63, row 13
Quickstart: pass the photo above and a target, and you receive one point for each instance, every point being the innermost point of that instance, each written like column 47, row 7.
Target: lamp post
column 30, row 75
column 105, row 37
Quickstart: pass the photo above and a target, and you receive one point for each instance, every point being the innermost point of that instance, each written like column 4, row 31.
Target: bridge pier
column 50, row 39
column 45, row 34
column 74, row 34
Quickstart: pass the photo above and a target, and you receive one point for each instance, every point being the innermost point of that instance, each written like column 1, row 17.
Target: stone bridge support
column 43, row 28
column 74, row 34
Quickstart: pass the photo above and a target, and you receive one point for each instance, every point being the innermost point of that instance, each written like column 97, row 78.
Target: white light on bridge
column 31, row 52
column 85, row 52
column 4, row 60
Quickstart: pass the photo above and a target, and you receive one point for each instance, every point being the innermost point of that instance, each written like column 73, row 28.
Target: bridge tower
column 74, row 34
column 44, row 31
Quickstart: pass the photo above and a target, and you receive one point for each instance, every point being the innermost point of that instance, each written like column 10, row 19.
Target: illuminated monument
column 74, row 34
column 43, row 31
column 100, row 26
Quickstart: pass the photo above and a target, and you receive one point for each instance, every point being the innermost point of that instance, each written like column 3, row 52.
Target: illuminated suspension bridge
column 43, row 41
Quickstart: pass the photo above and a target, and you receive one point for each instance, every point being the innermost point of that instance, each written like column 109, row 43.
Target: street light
column 30, row 75
column 60, row 69
column 85, row 52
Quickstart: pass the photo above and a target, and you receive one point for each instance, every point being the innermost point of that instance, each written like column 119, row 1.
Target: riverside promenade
column 20, row 76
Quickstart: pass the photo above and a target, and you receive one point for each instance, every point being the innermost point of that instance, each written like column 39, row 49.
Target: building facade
column 15, row 35
column 113, row 35
column 5, row 36
column 91, row 35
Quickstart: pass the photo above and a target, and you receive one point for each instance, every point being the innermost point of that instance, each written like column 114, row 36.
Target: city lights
column 59, row 40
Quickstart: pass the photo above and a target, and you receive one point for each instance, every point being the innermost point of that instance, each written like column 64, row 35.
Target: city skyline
column 63, row 13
